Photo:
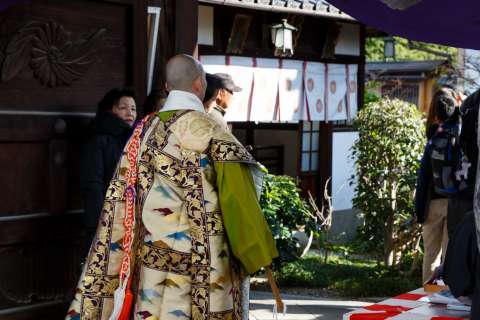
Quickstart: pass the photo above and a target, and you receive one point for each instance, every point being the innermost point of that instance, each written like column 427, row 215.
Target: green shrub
column 387, row 156
column 286, row 211
column 347, row 277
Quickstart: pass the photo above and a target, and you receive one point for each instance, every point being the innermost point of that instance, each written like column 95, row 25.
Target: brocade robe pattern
column 183, row 266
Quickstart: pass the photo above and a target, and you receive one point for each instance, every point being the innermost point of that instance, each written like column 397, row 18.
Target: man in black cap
column 222, row 88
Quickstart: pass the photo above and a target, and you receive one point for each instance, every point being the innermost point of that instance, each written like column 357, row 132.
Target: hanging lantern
column 282, row 38
column 389, row 48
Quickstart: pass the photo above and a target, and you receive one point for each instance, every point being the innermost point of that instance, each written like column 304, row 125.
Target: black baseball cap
column 225, row 81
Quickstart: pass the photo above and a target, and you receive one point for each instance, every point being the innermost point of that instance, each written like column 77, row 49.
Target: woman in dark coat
column 431, row 207
column 107, row 136
column 461, row 270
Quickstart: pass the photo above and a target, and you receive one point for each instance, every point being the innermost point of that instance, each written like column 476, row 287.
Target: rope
column 123, row 297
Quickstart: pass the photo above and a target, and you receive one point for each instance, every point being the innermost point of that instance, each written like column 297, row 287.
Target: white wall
column 342, row 170
column 348, row 40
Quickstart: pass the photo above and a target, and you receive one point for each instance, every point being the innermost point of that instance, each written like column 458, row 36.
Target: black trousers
column 457, row 208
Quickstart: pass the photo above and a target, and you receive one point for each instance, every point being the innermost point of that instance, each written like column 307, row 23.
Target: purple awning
column 4, row 4
column 454, row 23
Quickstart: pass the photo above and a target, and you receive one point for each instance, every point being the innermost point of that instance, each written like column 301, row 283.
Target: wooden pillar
column 166, row 42
column 325, row 158
column 422, row 98
column 186, row 27
column 429, row 87
column 361, row 68
column 139, row 50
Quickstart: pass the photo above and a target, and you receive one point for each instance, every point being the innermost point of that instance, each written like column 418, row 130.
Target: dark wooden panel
column 73, row 197
column 25, row 173
column 44, row 228
column 39, row 272
column 55, row 310
column 40, row 160
column 110, row 60
column 25, row 129
column 309, row 183
column 44, row 116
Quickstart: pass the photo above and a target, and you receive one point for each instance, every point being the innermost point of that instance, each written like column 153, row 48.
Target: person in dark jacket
column 431, row 207
column 461, row 270
column 108, row 134
column 463, row 201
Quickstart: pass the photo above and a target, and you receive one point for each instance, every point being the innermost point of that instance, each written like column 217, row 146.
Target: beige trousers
column 435, row 237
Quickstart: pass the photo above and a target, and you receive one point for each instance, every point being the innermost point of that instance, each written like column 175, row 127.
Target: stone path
column 301, row 307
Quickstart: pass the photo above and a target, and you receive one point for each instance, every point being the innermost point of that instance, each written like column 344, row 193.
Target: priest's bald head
column 186, row 74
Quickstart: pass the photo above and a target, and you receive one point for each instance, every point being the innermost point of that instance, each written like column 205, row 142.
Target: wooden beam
column 266, row 126
column 121, row 2
column 186, row 27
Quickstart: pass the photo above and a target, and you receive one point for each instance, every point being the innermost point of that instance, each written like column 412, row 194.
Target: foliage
column 374, row 50
column 370, row 97
column 370, row 94
column 387, row 157
column 286, row 211
column 348, row 277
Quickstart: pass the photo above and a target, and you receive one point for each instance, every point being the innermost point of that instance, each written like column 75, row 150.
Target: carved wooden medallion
column 47, row 49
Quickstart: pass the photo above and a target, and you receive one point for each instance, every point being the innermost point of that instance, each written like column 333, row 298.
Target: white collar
column 182, row 100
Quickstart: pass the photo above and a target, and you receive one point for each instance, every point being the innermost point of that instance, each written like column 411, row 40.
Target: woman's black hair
column 446, row 107
column 443, row 107
column 112, row 97
column 213, row 85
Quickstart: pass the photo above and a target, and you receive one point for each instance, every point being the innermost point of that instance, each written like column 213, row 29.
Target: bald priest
column 181, row 224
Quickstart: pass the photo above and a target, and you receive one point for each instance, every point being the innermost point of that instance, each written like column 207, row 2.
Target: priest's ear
column 198, row 87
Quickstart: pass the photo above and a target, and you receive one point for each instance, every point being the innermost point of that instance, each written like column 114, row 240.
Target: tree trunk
column 388, row 241
column 389, row 227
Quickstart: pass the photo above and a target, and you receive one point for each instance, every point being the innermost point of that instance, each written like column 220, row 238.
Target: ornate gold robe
column 188, row 254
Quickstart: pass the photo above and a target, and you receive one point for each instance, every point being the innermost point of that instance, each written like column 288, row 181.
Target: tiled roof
column 310, row 7
column 404, row 66
column 402, row 69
